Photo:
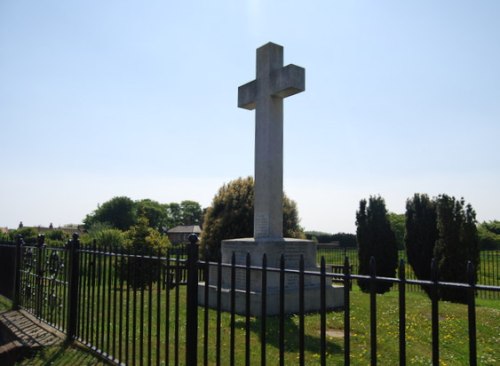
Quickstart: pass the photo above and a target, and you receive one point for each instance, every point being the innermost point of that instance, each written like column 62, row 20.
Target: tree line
column 122, row 213
column 439, row 232
column 443, row 228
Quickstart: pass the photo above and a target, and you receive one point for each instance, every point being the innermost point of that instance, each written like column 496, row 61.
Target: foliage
column 56, row 234
column 29, row 234
column 421, row 234
column 56, row 237
column 142, row 240
column 155, row 212
column 105, row 238
column 489, row 235
column 174, row 214
column 398, row 226
column 122, row 213
column 345, row 240
column 458, row 243
column 4, row 236
column 375, row 239
column 191, row 213
column 231, row 216
column 445, row 229
column 186, row 213
column 118, row 212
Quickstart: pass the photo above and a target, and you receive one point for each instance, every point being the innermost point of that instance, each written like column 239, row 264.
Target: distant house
column 180, row 234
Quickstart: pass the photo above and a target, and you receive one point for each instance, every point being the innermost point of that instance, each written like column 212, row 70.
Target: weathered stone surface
column 265, row 94
column 292, row 250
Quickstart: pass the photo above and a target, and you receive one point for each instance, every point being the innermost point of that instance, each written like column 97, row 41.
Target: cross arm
column 247, row 95
column 288, row 81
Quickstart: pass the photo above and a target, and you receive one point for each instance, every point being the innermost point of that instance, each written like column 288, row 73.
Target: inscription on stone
column 240, row 274
column 261, row 224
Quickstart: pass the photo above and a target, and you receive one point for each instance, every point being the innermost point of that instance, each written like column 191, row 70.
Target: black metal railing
column 7, row 268
column 139, row 308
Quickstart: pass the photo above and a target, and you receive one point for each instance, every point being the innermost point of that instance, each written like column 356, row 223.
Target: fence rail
column 139, row 308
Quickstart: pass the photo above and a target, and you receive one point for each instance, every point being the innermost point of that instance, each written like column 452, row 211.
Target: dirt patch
column 335, row 333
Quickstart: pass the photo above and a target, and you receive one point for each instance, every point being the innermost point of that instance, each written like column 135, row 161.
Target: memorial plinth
column 265, row 94
column 292, row 250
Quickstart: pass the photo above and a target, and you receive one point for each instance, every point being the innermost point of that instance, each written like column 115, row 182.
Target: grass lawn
column 145, row 335
column 452, row 328
column 55, row 355
column 5, row 304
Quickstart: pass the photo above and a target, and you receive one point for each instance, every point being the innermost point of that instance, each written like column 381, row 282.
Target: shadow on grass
column 62, row 354
column 312, row 343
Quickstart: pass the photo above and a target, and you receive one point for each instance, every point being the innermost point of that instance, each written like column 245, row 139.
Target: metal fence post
column 17, row 273
column 40, row 243
column 192, row 302
column 471, row 302
column 435, row 311
column 73, row 285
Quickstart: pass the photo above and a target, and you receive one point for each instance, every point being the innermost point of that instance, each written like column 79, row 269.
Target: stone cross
column 265, row 94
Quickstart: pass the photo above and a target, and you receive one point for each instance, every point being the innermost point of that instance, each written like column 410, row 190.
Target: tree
column 155, row 212
column 444, row 229
column 398, row 226
column 375, row 239
column 174, row 213
column 230, row 216
column 191, row 213
column 141, row 241
column 457, row 244
column 345, row 240
column 421, row 235
column 489, row 235
column 56, row 237
column 29, row 234
column 103, row 237
column 118, row 212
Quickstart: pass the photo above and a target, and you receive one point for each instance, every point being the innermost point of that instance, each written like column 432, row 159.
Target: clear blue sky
column 138, row 98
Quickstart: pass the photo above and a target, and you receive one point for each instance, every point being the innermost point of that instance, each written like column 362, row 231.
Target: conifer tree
column 458, row 243
column 375, row 239
column 443, row 228
column 421, row 235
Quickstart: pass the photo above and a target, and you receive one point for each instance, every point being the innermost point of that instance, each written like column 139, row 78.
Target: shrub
column 458, row 243
column 141, row 240
column 375, row 239
column 230, row 216
column 445, row 229
column 421, row 235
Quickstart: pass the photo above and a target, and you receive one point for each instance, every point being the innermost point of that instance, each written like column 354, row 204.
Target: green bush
column 375, row 239
column 489, row 235
column 443, row 228
column 421, row 235
column 230, row 216
column 458, row 243
column 141, row 240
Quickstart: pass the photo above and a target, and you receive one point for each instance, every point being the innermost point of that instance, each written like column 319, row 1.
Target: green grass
column 101, row 318
column 5, row 304
column 453, row 334
column 61, row 355
column 452, row 321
